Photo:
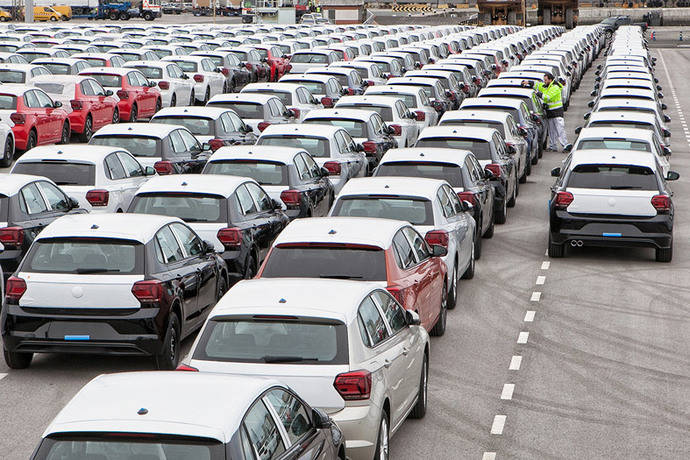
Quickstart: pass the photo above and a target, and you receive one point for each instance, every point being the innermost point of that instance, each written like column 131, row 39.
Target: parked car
column 208, row 79
column 414, row 98
column 277, row 61
column 294, row 96
column 101, row 59
column 306, row 59
column 251, row 59
column 236, row 73
column 174, row 86
column 21, row 73
column 258, row 111
column 324, row 88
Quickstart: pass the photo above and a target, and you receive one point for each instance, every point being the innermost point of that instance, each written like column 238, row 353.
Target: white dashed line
column 536, row 296
column 545, row 265
column 541, row 279
column 529, row 316
column 515, row 363
column 3, row 375
column 499, row 423
column 489, row 456
column 522, row 338
column 507, row 392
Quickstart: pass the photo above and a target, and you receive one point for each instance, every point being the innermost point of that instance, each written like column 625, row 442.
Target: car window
column 114, row 167
column 86, row 88
column 260, row 197
column 245, row 200
column 454, row 199
column 372, row 326
column 190, row 142
column 170, row 250
column 55, row 198
column 97, row 88
column 302, row 96
column 291, row 412
column 312, row 166
column 191, row 243
column 418, row 244
column 43, row 99
column 404, row 254
column 273, row 107
column 226, row 123
column 301, row 167
column 263, row 432
column 444, row 201
column 132, row 166
column 392, row 311
column 178, row 144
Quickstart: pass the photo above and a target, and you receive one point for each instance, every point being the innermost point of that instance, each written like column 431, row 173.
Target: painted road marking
column 536, row 296
column 3, row 375
column 515, row 363
column 489, row 456
column 545, row 265
column 541, row 279
column 529, row 316
column 522, row 338
column 507, row 392
column 499, row 423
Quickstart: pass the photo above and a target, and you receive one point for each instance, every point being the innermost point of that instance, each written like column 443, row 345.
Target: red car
column 138, row 97
column 387, row 251
column 101, row 59
column 273, row 55
column 34, row 117
column 90, row 106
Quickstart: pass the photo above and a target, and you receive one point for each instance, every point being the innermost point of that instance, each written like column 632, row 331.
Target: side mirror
column 359, row 148
column 466, row 206
column 667, row 151
column 152, row 84
column 590, row 104
column 412, row 318
column 289, row 114
column 578, row 129
column 489, row 174
column 658, row 87
column 108, row 92
column 438, row 251
column 522, row 131
column 511, row 149
column 185, row 76
column 73, row 203
column 667, row 119
column 321, row 420
column 276, row 205
column 587, row 115
column 325, row 172
column 556, row 172
column 208, row 247
column 57, row 104
column 205, row 147
column 149, row 171
column 666, row 132
column 660, row 95
column 344, row 91
column 597, row 79
column 664, row 107
column 656, row 80
column 535, row 117
column 568, row 148
column 389, row 130
column 672, row 175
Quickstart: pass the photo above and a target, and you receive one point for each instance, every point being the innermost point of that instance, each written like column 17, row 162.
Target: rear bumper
column 77, row 121
column 359, row 425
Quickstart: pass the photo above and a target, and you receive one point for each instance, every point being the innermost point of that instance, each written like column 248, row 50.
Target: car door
column 34, row 212
column 53, row 115
column 194, row 150
column 34, row 110
column 357, row 160
column 484, row 190
column 429, row 274
column 406, row 259
column 135, row 177
column 103, row 111
column 460, row 224
column 260, row 436
column 269, row 221
column 92, row 105
column 116, row 173
column 318, row 186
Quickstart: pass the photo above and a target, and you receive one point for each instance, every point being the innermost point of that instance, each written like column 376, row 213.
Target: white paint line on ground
column 541, row 279
column 522, row 338
column 515, row 363
column 499, row 423
column 546, row 253
column 545, row 265
column 2, row 375
column 507, row 392
column 529, row 316
column 489, row 456
column 536, row 296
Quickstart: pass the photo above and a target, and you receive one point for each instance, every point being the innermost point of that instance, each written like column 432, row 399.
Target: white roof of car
column 472, row 132
column 138, row 227
column 11, row 183
column 19, row 67
column 121, row 71
column 93, row 154
column 290, row 296
column 469, row 114
column 388, row 101
column 431, row 154
column 301, row 129
column 399, row 89
column 306, row 77
column 407, row 186
column 212, row 184
column 492, row 101
column 623, row 115
column 60, row 79
column 355, row 230
column 290, row 87
column 283, row 155
column 255, row 98
column 58, row 60
column 16, row 90
column 190, row 111
column 113, row 402
column 625, row 157
column 159, row 130
column 356, row 114
column 156, row 64
column 627, row 133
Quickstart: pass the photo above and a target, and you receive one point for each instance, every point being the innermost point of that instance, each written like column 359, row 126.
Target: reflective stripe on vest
column 552, row 95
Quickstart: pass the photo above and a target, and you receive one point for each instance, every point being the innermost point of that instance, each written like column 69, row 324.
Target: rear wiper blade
column 287, row 359
column 624, row 187
column 342, row 277
column 83, row 271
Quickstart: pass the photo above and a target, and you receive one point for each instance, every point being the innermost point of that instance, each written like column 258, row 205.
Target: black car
column 236, row 72
column 287, row 174
column 27, row 205
column 252, row 60
column 111, row 284
column 233, row 213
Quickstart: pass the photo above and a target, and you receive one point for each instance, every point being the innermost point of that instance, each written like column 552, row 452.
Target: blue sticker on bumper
column 616, row 235
column 77, row 337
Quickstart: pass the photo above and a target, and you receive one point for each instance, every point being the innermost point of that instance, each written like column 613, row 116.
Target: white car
column 303, row 60
column 22, row 74
column 430, row 205
column 367, row 70
column 8, row 149
column 102, row 179
column 414, row 98
column 175, row 86
column 257, row 110
column 361, row 357
column 135, row 54
column 293, row 95
column 208, row 79
column 331, row 147
column 101, row 59
column 393, row 111
column 62, row 66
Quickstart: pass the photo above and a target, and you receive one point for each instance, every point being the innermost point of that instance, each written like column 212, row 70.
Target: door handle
column 405, row 351
column 387, row 363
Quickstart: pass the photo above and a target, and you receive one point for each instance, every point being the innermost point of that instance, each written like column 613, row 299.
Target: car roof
column 306, row 76
column 283, row 155
column 356, row 230
column 431, row 154
column 205, row 112
column 146, row 63
column 489, row 101
column 303, row 297
column 74, row 152
column 60, row 79
column 213, row 184
column 603, row 156
column 458, row 131
column 406, row 186
column 608, row 131
column 137, row 227
column 376, row 100
column 121, row 71
column 243, row 97
column 114, row 402
column 11, row 183
column 612, row 115
column 20, row 67
column 404, row 89
column 306, row 129
column 273, row 85
column 468, row 113
column 138, row 129
column 358, row 114
column 15, row 89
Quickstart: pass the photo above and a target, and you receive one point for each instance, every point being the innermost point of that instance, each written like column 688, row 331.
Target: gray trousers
column 556, row 130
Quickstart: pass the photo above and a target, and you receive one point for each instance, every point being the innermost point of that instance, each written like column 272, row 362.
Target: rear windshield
column 480, row 148
column 11, row 76
column 8, row 102
column 356, row 128
column 241, row 55
column 615, row 144
column 94, row 62
column 153, row 73
column 256, row 340
column 328, row 261
column 51, row 88
column 314, row 87
column 197, row 125
column 187, row 66
column 139, row 146
column 85, row 256
column 309, row 58
column 442, row 171
column 122, row 446
column 57, row 69
column 497, row 125
column 190, row 207
column 29, row 56
column 284, row 96
column 621, row 124
column 385, row 111
column 416, row 211
column 60, row 172
column 614, row 177
column 4, row 206
column 246, row 110
column 316, row 146
column 409, row 99
column 264, row 172
column 107, row 80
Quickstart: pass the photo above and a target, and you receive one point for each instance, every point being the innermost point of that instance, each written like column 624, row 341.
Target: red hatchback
column 34, row 117
column 389, row 252
column 273, row 55
column 138, row 97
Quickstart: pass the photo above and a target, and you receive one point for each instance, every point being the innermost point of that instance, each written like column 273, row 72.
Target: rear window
column 264, row 172
column 309, row 58
column 94, row 62
column 478, row 123
column 197, row 125
column 11, row 76
column 314, row 87
column 409, row 99
column 57, row 69
column 356, row 128
column 51, row 88
column 416, row 211
column 615, row 144
column 274, row 340
column 442, row 171
column 60, row 172
column 29, row 56
column 151, row 72
column 85, row 256
column 139, row 146
column 187, row 66
column 284, row 96
column 366, row 263
column 621, row 124
column 245, row 110
column 107, row 80
column 613, row 177
column 4, row 206
column 190, row 207
column 8, row 102
column 316, row 146
column 480, row 148
column 385, row 111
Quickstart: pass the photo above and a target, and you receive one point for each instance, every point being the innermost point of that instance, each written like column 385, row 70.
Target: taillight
column 494, row 168
column 98, row 197
column 198, row 78
column 296, row 112
column 263, row 125
column 437, row 238
column 122, row 94
column 248, row 66
column 184, row 367
column 421, row 116
column 164, row 85
column 225, row 71
column 563, row 200
column 369, row 146
column 148, row 291
column 350, row 91
column 216, row 144
column 353, row 386
column 76, row 105
column 164, row 167
column 12, row 236
column 230, row 236
column 333, row 168
column 291, row 197
column 469, row 197
column 18, row 118
column 15, row 288
column 662, row 203
column 397, row 130
column 327, row 102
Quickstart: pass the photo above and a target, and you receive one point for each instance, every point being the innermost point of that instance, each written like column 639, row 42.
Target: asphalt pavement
column 585, row 357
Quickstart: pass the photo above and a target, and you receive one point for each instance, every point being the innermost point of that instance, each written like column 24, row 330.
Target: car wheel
column 250, row 270
column 64, row 138
column 192, row 98
column 528, row 169
column 207, row 95
column 556, row 250
column 664, row 254
column 170, row 352
column 382, row 443
column 133, row 114
column 419, row 409
column 7, row 153
column 113, row 15
column 32, row 140
column 173, row 100
column 490, row 231
column 501, row 215
column 116, row 115
column 124, row 16
column 16, row 360
column 222, row 287
column 453, row 294
column 469, row 271
column 232, row 87
column 523, row 178
column 513, row 197
column 440, row 327
column 535, row 159
column 88, row 129
column 478, row 243
column 53, row 18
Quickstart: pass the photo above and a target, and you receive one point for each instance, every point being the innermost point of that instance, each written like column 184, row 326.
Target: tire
column 469, row 271
column 232, row 87
column 528, row 169
column 159, row 106
column 173, row 100
column 556, row 250
column 440, row 327
column 113, row 15
column 511, row 202
column 169, row 355
column 53, row 19
column 16, row 360
column 124, row 16
column 88, row 129
column 148, row 16
column 535, row 160
column 664, row 254
column 453, row 294
column 419, row 409
column 490, row 231
column 501, row 216
column 116, row 115
column 250, row 270
column 133, row 114
column 222, row 287
column 478, row 245
column 66, row 132
column 7, row 153
column 207, row 95
column 383, row 439
column 192, row 98
column 31, row 140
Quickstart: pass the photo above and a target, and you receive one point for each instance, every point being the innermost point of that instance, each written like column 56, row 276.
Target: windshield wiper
column 287, row 359
column 624, row 187
column 83, row 271
column 342, row 277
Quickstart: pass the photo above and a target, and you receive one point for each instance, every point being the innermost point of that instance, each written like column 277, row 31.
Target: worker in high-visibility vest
column 551, row 93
